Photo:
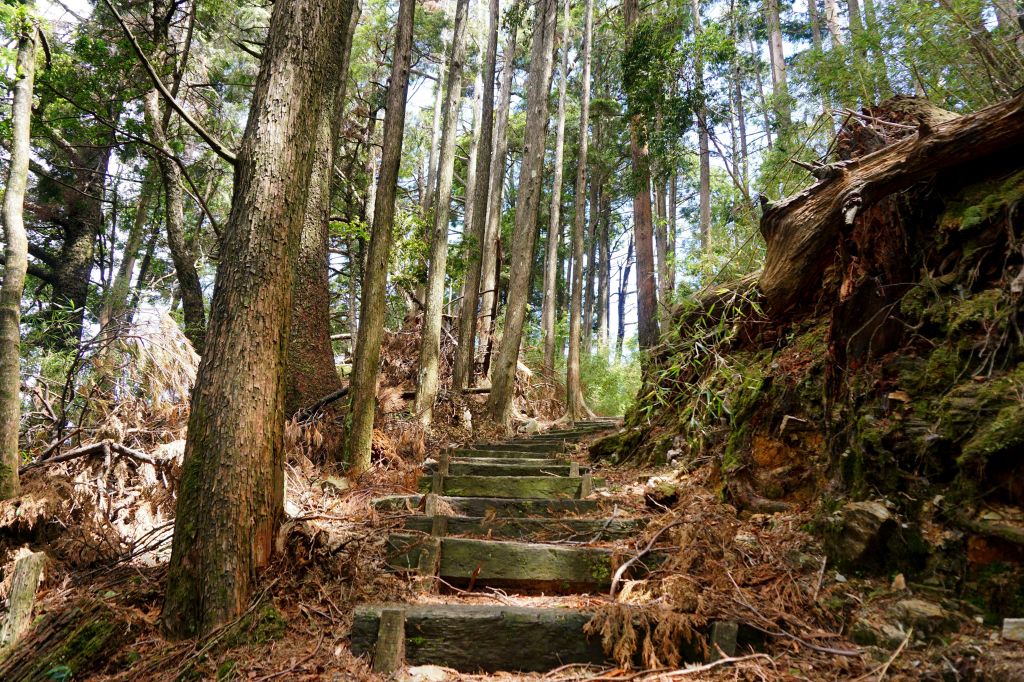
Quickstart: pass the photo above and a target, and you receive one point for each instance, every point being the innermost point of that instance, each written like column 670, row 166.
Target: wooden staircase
column 517, row 515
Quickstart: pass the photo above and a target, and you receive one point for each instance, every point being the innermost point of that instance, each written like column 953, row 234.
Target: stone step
column 516, row 467
column 524, row 566
column 524, row 487
column 539, row 530
column 525, row 461
column 484, row 638
column 498, row 507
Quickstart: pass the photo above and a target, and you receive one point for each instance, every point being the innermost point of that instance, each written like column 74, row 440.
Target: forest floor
column 764, row 571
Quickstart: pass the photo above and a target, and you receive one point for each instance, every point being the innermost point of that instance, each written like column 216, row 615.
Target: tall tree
column 703, row 147
column 575, row 406
column 489, row 260
column 430, row 337
column 547, row 316
column 365, row 366
column 311, row 372
column 231, row 495
column 647, row 298
column 499, row 403
column 464, row 354
column 780, row 91
column 15, row 258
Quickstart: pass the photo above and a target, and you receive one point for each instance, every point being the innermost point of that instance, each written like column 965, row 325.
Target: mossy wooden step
column 484, row 638
column 489, row 453
column 538, row 530
column 523, row 487
column 510, row 468
column 522, row 565
column 526, row 461
column 497, row 507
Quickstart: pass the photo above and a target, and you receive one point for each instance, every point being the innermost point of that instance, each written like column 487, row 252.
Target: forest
column 512, row 339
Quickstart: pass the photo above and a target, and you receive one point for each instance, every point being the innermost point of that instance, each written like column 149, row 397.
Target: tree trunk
column 547, row 316
column 673, row 213
column 499, row 404
column 231, row 495
column 15, row 262
column 311, row 372
column 427, row 199
column 704, row 150
column 430, row 337
column 604, row 271
column 621, row 303
column 812, row 19
column 575, row 405
column 647, row 298
column 780, row 93
column 366, row 364
column 464, row 357
column 116, row 300
column 489, row 266
column 832, row 21
column 593, row 267
column 191, row 288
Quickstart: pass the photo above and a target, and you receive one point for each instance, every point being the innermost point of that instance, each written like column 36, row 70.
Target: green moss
column 226, row 670
column 1003, row 432
column 265, row 625
column 983, row 202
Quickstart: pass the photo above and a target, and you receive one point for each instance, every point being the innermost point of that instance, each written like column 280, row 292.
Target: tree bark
column 427, row 200
column 15, row 260
column 499, row 404
column 464, row 357
column 489, row 269
column 604, row 271
column 311, row 372
column 704, row 150
column 116, row 300
column 547, row 315
column 366, row 364
column 647, row 298
column 231, row 495
column 621, row 303
column 430, row 337
column 832, row 21
column 593, row 267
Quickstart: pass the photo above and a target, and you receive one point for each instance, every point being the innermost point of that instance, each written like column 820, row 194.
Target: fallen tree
column 801, row 232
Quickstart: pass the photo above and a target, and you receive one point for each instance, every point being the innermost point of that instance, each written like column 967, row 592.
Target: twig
column 93, row 449
column 714, row 664
column 884, row 668
column 625, row 566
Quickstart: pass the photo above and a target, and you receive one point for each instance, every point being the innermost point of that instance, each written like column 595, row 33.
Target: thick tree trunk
column 464, row 357
column 647, row 298
column 366, row 365
column 489, row 266
column 230, row 500
column 499, row 404
column 311, row 372
column 801, row 231
column 15, row 262
column 575, row 405
column 430, row 337
column 547, row 315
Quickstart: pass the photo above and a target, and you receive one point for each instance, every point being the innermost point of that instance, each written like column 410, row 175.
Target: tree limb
column 216, row 145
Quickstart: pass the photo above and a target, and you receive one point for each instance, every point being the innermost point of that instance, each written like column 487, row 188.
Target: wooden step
column 539, row 530
column 510, row 468
column 498, row 507
column 483, row 638
column 527, row 567
column 526, row 461
column 525, row 445
column 523, row 487
column 484, row 452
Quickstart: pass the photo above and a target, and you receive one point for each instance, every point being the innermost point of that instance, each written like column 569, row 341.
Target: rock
column 1013, row 629
column 868, row 633
column 660, row 492
column 860, row 532
column 426, row 673
column 334, row 484
column 531, row 426
column 926, row 617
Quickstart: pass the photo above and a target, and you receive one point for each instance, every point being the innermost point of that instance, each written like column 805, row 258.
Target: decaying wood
column 802, row 232
column 77, row 640
column 28, row 572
